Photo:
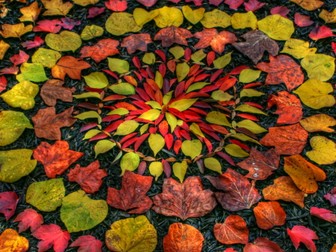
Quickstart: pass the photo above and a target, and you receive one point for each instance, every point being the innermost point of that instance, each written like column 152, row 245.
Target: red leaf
column 29, row 218
column 50, row 26
column 71, row 66
column 234, row 4
column 101, row 50
column 302, row 20
column 321, row 32
column 116, row 5
column 147, row 3
column 215, row 2
column 69, row 23
column 281, row 10
column 253, row 5
column 333, row 46
column 8, row 203
column 269, row 214
column 331, row 196
column 51, row 236
column 262, row 244
column 37, row 42
column 95, row 11
column 87, row 243
column 132, row 195
column 172, row 34
column 56, row 158
column 136, row 42
column 302, row 234
column 196, row 2
column 3, row 83
column 237, row 193
column 323, row 213
column 19, row 58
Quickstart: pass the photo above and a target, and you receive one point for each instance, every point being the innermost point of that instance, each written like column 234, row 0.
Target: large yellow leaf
column 65, row 41
column 315, row 94
column 216, row 18
column 15, row 30
column 182, row 70
column 127, row 127
column 142, row 16
column 168, row 16
column 120, row 23
column 182, row 104
column 3, row 48
column 156, row 169
column 276, row 27
column 319, row 66
column 193, row 16
column 131, row 235
column 319, row 122
column 156, row 142
column 244, row 20
column 10, row 241
column 323, row 150
column 308, row 4
column 150, row 115
column 298, row 48
column 192, row 148
column 56, row 7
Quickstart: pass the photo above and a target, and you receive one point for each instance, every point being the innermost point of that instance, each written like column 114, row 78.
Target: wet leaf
column 319, row 122
column 70, row 66
column 276, row 27
column 119, row 23
column 323, row 150
column 8, row 203
column 64, row 41
column 95, row 51
column 302, row 234
column 172, row 34
column 269, row 214
column 319, row 66
column 10, row 240
column 29, row 219
column 168, row 16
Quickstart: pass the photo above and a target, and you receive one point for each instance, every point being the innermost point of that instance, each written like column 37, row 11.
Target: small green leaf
column 91, row 31
column 197, row 86
column 91, row 133
column 183, row 104
column 222, row 61
column 149, row 58
column 123, row 88
column 251, row 126
column 130, row 161
column 32, row 72
column 89, row 114
column 96, row 80
column 249, row 109
column 103, row 146
column 192, row 148
column 213, row 164
column 156, row 143
column 218, row 118
column 126, row 128
column 88, row 95
column 249, row 75
column 248, row 92
column 220, row 95
column 180, row 169
column 235, row 151
column 155, row 169
column 182, row 70
column 198, row 56
column 118, row 65
column 177, row 51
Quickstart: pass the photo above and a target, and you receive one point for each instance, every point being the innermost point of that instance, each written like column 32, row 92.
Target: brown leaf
column 183, row 238
column 53, row 90
column 48, row 124
column 234, row 230
column 172, row 34
column 132, row 195
column 101, row 50
column 262, row 244
column 260, row 164
column 237, row 191
column 282, row 69
column 284, row 189
column 136, row 42
column 255, row 45
column 184, row 200
column 269, row 214
column 56, row 158
column 287, row 140
column 71, row 66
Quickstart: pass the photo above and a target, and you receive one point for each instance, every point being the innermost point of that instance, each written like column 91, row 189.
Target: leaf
column 119, row 23
column 46, row 57
column 156, row 143
column 70, row 66
column 282, row 69
column 156, row 169
column 10, row 240
column 233, row 231
column 328, row 17
column 51, row 236
column 87, row 243
column 251, row 126
column 244, row 20
column 38, row 41
column 315, row 94
column 323, row 150
column 319, row 122
column 8, row 203
column 309, row 5
column 276, row 27
column 89, row 178
column 53, row 90
column 321, row 32
column 30, row 13
column 46, row 195
column 3, row 49
column 48, row 124
column 129, row 162
column 184, row 200
column 103, row 146
column 269, row 214
column 32, row 72
column 29, row 218
column 56, row 7
column 216, row 18
column 91, row 31
column 331, row 196
column 262, row 244
column 150, row 115
column 141, row 235
column 147, row 3
column 172, row 34
column 95, row 51
column 302, row 20
column 56, row 158
column 142, row 16
column 236, row 192
column 213, row 164
column 64, row 41
column 168, row 16
column 298, row 48
column 302, row 234
column 12, row 125
column 192, row 148
column 260, row 165
column 136, row 42
column 123, row 88
column 180, row 169
column 235, row 151
column 182, row 104
column 323, row 214
column 183, row 237
column 15, row 30
column 118, row 65
column 217, row 40
column 319, row 66
column 193, row 16
column 126, row 127
column 287, row 140
column 132, row 195
column 79, row 212
column 85, row 2
column 96, row 80
column 284, row 189
column 218, row 118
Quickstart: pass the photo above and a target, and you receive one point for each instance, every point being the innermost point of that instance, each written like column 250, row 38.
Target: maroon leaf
column 172, row 34
column 136, row 42
column 262, row 244
column 8, row 203
column 331, row 196
column 147, row 3
column 29, row 218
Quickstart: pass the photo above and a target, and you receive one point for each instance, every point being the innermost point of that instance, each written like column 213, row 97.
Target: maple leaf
column 38, row 41
column 331, row 196
column 172, row 34
column 255, row 44
column 322, row 213
column 55, row 158
column 116, row 5
column 302, row 234
column 48, row 124
column 30, row 13
column 269, row 214
column 50, row 26
column 15, row 30
column 87, row 243
column 89, row 178
column 217, row 40
column 136, row 42
column 29, row 218
column 51, row 236
column 132, row 195
column 8, row 203
column 53, row 90
column 262, row 244
column 101, row 50
column 237, row 193
column 184, row 200
column 260, row 164
column 71, row 66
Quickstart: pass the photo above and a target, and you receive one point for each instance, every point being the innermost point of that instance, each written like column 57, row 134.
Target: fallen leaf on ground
column 276, row 27
column 172, row 34
column 8, row 203
column 64, row 41
column 319, row 66
column 319, row 122
column 15, row 30
column 328, row 17
column 56, row 7
column 136, row 42
column 101, row 50
column 323, row 150
column 10, row 240
column 331, row 196
column 52, row 90
column 302, row 234
column 321, row 32
column 298, row 48
column 262, row 244
column 323, row 213
column 87, row 243
column 119, row 23
column 269, row 214
column 70, row 66
column 29, row 219
column 309, row 5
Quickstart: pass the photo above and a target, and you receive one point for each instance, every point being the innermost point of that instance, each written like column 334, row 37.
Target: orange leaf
column 70, row 66
column 15, row 30
column 101, row 50
column 136, row 42
column 234, row 230
column 309, row 5
column 10, row 240
column 269, row 214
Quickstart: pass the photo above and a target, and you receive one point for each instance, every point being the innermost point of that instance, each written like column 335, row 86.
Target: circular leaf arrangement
column 197, row 125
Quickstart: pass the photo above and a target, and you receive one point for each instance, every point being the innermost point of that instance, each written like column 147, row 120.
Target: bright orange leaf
column 101, row 50
column 269, row 214
column 70, row 66
column 10, row 240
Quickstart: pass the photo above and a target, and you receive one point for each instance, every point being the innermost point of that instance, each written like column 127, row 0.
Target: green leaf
column 180, row 170
column 220, row 95
column 319, row 66
column 130, row 161
column 155, row 169
column 249, row 75
column 150, row 115
column 182, row 70
column 249, row 109
column 197, row 86
column 172, row 121
column 91, row 133
column 119, row 23
column 118, row 65
column 156, row 143
column 12, row 125
column 46, row 57
column 235, row 151
column 248, row 92
column 183, row 104
column 15, row 164
column 198, row 56
column 32, row 72
column 123, row 88
column 89, row 114
column 96, row 80
column 46, row 195
column 126, row 128
column 91, row 31
column 251, row 126
column 149, row 58
column 88, row 95
column 177, row 51
column 191, row 148
column 222, row 61
column 213, row 164
column 80, row 213
column 103, row 146
column 64, row 41
column 218, row 118
column 21, row 95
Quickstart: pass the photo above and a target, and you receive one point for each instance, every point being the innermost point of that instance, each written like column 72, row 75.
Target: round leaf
column 118, row 65
column 46, row 57
column 91, row 31
column 64, row 41
column 276, row 27
column 169, row 16
column 96, row 80
column 120, row 23
column 319, row 66
column 191, row 148
column 155, row 169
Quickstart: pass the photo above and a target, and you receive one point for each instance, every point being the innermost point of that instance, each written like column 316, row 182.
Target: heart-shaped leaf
column 64, row 41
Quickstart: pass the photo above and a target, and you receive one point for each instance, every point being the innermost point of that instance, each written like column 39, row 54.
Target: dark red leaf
column 8, row 203
column 116, row 5
column 19, row 58
column 95, row 11
column 172, row 34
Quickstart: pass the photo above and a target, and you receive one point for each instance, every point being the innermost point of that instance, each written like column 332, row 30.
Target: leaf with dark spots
column 136, row 42
column 172, row 34
column 53, row 90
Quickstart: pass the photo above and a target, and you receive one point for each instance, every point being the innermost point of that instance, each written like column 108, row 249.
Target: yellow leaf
column 30, row 13
column 96, row 80
column 183, row 104
column 298, row 48
column 249, row 109
column 168, row 16
column 149, row 58
column 192, row 148
column 103, row 146
column 243, row 137
column 244, row 20
column 3, row 48
column 64, row 41
column 220, row 95
column 251, row 126
column 193, row 16
column 155, row 169
column 156, row 143
column 154, row 104
column 308, row 4
column 182, row 70
column 130, row 161
column 177, row 51
column 218, row 118
column 324, row 150
column 315, row 94
column 216, row 18
column 10, row 241
column 195, row 129
column 248, row 92
column 142, row 16
column 126, row 127
column 328, row 17
column 150, row 115
column 87, row 115
column 319, row 122
column 249, row 75
column 235, row 151
column 15, row 30
column 213, row 164
column 180, row 169
column 118, row 65
column 276, row 27
column 85, row 2
column 197, row 86
column 91, row 31
column 319, row 66
column 222, row 61
column 46, row 57
column 91, row 133
column 131, row 235
column 56, row 7
column 158, row 79
column 172, row 121
column 120, row 23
